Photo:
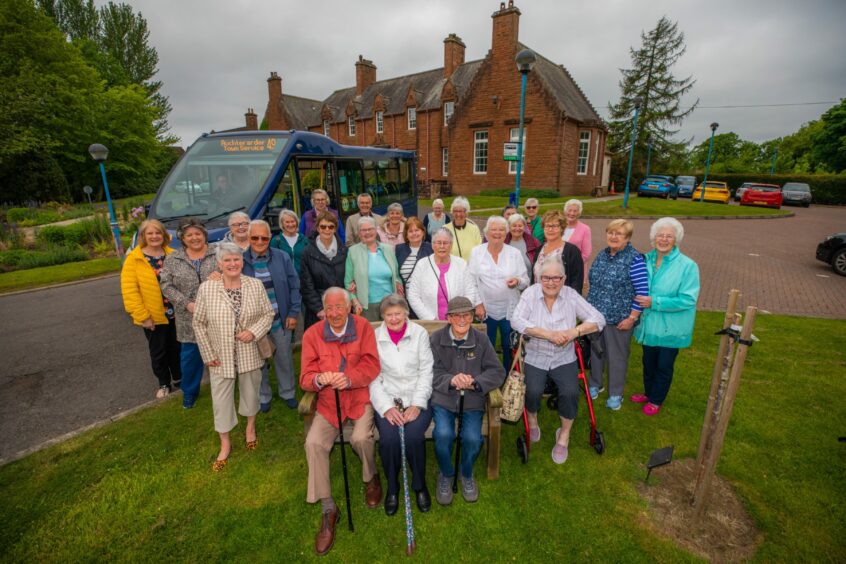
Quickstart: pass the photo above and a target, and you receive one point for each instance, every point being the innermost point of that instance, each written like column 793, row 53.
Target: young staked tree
column 651, row 78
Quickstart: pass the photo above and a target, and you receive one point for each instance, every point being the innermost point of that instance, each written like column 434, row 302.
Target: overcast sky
column 215, row 56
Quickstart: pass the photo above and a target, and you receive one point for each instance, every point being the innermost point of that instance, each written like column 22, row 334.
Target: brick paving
column 771, row 261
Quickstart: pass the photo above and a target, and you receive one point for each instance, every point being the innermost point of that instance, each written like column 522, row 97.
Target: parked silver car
column 739, row 192
column 797, row 193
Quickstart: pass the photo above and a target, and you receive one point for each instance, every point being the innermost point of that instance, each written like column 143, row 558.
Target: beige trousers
column 318, row 444
column 223, row 399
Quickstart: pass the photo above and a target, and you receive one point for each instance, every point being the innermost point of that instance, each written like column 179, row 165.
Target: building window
column 480, row 153
column 326, row 127
column 351, row 126
column 449, row 109
column 514, row 137
column 445, row 161
column 412, row 118
column 380, row 122
column 595, row 152
column 584, row 152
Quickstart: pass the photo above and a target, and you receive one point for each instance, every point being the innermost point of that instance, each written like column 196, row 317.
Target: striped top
column 262, row 274
column 640, row 279
column 407, row 267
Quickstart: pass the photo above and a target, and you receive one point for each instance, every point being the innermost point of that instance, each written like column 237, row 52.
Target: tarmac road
column 71, row 356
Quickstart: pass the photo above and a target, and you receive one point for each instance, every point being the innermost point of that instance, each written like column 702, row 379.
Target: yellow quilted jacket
column 142, row 295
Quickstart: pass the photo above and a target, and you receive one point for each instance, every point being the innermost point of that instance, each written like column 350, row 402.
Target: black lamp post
column 714, row 127
column 525, row 60
column 637, row 102
column 100, row 153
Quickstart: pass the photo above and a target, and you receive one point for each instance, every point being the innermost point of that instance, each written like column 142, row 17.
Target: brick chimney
column 274, row 102
column 453, row 54
column 251, row 119
column 506, row 23
column 365, row 75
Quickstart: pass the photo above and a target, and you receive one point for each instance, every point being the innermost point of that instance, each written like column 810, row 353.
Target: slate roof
column 302, row 112
column 560, row 84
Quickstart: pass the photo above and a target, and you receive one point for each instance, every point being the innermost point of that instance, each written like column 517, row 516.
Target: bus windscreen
column 218, row 175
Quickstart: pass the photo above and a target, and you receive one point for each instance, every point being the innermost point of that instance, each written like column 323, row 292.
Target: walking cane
column 458, row 441
column 409, row 522
column 343, row 452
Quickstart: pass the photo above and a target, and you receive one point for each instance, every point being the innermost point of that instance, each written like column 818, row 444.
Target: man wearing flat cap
column 465, row 362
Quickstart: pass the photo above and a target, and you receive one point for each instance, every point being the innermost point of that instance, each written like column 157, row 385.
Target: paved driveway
column 71, row 357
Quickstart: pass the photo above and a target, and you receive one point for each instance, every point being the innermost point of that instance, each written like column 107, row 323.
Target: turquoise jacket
column 674, row 289
column 356, row 270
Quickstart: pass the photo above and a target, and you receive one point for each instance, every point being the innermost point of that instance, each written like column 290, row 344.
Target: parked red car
column 762, row 195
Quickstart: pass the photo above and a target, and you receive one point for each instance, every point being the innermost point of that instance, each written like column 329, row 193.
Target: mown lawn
column 57, row 274
column 142, row 488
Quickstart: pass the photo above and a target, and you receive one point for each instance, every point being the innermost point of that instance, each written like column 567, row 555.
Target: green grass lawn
column 658, row 207
column 48, row 275
column 142, row 488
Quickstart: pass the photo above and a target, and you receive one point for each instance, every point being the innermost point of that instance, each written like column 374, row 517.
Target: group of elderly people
column 522, row 274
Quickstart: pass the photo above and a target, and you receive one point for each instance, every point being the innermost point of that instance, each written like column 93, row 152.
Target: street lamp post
column 637, row 101
column 525, row 60
column 648, row 153
column 775, row 156
column 100, row 153
column 714, row 127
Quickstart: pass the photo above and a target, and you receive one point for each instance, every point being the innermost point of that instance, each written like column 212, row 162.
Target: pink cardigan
column 581, row 238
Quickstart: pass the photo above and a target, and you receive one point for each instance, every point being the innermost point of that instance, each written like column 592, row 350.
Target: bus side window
column 350, row 185
column 314, row 174
column 283, row 198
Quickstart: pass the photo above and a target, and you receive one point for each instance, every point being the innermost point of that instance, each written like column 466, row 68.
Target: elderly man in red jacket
column 339, row 353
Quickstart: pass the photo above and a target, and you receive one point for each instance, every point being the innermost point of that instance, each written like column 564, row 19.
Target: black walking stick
column 343, row 452
column 458, row 440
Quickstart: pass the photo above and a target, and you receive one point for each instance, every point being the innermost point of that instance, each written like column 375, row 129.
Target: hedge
column 825, row 188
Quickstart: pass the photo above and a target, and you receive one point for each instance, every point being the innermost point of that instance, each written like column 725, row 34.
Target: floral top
column 156, row 263
column 235, row 296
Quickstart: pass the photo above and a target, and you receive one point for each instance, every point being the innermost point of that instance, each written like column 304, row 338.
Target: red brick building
column 458, row 117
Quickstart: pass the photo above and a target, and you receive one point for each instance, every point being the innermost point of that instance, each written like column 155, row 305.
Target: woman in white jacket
column 440, row 277
column 400, row 397
column 500, row 274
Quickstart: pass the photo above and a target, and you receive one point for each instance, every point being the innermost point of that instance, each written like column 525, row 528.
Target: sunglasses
column 326, row 227
column 531, row 207
column 259, row 238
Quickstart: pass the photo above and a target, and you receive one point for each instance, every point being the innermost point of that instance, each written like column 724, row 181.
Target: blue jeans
column 284, row 368
column 504, row 328
column 658, row 365
column 191, row 364
column 444, row 435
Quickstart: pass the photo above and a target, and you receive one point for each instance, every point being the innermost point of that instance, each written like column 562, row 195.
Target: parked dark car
column 797, row 193
column 686, row 184
column 658, row 185
column 833, row 251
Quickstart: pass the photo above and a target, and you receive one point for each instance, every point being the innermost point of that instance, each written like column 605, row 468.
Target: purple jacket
column 308, row 225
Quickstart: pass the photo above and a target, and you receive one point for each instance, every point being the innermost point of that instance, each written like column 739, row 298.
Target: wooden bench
column 491, row 423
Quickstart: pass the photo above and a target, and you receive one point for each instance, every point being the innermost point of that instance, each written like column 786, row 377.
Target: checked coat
column 215, row 327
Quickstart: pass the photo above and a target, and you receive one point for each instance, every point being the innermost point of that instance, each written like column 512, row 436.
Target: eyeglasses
column 241, row 224
column 326, row 227
column 665, row 237
column 552, row 226
column 319, row 200
column 462, row 315
column 552, row 278
column 259, row 238
column 531, row 207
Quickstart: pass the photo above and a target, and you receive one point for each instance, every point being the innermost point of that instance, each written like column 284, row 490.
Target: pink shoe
column 639, row 398
column 651, row 409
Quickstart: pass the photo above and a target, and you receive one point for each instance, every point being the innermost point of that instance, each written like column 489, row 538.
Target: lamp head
column 637, row 102
column 98, row 152
column 525, row 60
column 714, row 126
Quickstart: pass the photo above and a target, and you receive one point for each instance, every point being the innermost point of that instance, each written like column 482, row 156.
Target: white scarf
column 328, row 252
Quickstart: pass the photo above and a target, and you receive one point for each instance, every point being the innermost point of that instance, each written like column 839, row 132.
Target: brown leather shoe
column 373, row 493
column 326, row 534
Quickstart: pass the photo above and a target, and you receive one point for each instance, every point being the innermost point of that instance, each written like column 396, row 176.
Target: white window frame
column 445, row 161
column 514, row 137
column 351, row 126
column 412, row 117
column 583, row 155
column 596, row 152
column 380, row 122
column 480, row 151
column 449, row 109
column 327, row 128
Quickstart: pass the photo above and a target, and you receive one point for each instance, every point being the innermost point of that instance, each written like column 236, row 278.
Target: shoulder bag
column 514, row 389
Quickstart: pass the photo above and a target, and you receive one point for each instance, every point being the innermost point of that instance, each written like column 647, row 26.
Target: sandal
column 219, row 465
column 252, row 445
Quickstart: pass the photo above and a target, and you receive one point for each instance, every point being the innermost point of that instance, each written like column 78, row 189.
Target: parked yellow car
column 714, row 192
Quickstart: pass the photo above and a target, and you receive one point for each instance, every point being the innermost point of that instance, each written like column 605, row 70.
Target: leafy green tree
column 651, row 78
column 829, row 140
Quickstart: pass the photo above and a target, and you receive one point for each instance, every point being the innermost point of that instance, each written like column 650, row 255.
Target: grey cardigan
column 180, row 282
